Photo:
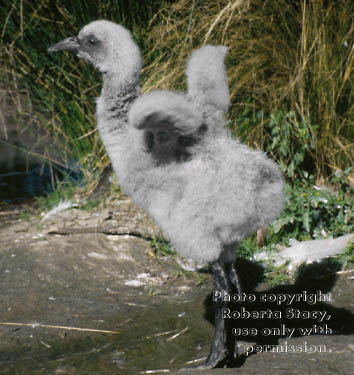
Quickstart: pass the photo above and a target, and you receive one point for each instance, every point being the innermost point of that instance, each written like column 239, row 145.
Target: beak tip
column 70, row 44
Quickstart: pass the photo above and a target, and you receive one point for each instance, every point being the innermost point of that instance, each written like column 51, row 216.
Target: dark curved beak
column 71, row 44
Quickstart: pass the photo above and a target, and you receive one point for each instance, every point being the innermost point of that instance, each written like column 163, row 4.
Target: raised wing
column 207, row 79
column 169, row 126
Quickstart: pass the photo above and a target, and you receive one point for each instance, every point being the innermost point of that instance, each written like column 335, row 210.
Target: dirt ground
column 85, row 293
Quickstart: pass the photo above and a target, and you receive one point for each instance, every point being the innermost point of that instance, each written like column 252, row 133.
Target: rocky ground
column 85, row 292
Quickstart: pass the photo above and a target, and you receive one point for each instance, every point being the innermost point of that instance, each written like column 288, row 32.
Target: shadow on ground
column 303, row 319
column 59, row 293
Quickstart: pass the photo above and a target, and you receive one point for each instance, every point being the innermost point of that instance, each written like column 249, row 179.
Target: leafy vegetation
column 313, row 212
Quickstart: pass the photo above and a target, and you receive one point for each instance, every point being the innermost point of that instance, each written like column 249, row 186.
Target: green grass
column 66, row 191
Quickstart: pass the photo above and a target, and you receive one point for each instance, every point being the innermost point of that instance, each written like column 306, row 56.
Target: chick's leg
column 236, row 286
column 218, row 351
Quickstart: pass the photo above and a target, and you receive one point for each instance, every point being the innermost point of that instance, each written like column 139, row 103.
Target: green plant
column 292, row 144
column 162, row 246
column 277, row 275
column 312, row 212
column 247, row 248
column 347, row 258
column 65, row 191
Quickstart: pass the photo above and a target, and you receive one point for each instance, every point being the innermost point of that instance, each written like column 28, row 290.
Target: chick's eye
column 92, row 41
